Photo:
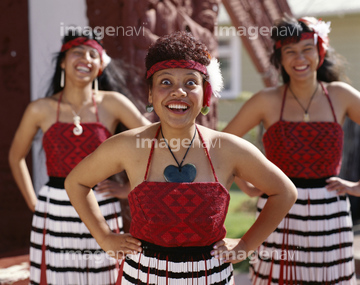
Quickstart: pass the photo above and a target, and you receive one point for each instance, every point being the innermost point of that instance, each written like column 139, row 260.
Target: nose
column 87, row 55
column 178, row 92
column 300, row 56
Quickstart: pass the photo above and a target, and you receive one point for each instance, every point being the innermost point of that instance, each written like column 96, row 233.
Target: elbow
column 13, row 159
column 292, row 193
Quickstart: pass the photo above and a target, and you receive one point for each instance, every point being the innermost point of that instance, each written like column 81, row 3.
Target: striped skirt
column 62, row 251
column 312, row 245
column 179, row 267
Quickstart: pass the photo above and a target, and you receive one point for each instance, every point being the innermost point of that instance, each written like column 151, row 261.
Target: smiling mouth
column 301, row 68
column 177, row 107
column 83, row 69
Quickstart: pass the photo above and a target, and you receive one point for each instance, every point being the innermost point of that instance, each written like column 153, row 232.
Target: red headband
column 82, row 41
column 189, row 64
column 294, row 39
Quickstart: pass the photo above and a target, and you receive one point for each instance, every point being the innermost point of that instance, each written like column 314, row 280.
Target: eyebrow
column 306, row 45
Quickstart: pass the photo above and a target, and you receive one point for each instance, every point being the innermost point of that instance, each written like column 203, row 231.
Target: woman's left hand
column 230, row 250
column 112, row 188
column 342, row 186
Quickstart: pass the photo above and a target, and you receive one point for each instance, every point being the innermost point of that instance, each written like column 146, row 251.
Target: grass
column 240, row 217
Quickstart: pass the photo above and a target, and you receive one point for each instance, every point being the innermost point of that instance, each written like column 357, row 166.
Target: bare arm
column 252, row 166
column 127, row 113
column 19, row 149
column 105, row 161
column 247, row 187
column 352, row 101
column 249, row 116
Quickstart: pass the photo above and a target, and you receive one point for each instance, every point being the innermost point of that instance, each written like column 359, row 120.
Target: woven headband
column 190, row 64
column 294, row 39
column 82, row 41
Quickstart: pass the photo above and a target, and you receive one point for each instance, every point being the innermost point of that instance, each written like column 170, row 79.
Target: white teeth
column 83, row 68
column 302, row 67
column 177, row 106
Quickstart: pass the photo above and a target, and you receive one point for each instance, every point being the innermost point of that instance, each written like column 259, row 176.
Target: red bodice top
column 179, row 214
column 64, row 150
column 305, row 150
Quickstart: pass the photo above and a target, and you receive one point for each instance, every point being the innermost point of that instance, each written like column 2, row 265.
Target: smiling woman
column 179, row 197
column 75, row 119
column 303, row 119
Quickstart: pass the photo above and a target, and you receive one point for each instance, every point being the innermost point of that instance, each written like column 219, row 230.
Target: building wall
column 15, row 219
column 45, row 41
column 345, row 38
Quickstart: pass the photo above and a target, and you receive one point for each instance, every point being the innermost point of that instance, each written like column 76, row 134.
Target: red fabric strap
column 190, row 64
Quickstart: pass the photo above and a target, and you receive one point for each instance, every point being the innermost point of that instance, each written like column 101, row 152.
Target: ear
column 62, row 64
column 150, row 96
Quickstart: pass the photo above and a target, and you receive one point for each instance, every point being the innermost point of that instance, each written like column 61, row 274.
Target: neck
column 77, row 96
column 303, row 89
column 181, row 133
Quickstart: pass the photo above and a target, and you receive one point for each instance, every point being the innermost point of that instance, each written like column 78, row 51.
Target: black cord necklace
column 179, row 174
column 306, row 111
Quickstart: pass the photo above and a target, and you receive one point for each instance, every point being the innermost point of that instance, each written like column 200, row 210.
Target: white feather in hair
column 215, row 77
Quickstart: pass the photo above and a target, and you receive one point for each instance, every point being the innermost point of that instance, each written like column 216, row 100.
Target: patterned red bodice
column 64, row 150
column 305, row 150
column 179, row 214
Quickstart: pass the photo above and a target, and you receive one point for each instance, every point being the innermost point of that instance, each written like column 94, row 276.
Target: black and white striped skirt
column 312, row 245
column 174, row 266
column 58, row 237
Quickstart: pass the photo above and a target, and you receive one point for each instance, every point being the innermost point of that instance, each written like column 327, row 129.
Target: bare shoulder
column 110, row 97
column 132, row 141
column 42, row 107
column 223, row 142
column 340, row 88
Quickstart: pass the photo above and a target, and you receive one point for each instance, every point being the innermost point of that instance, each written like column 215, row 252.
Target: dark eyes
column 165, row 82
column 189, row 82
column 81, row 52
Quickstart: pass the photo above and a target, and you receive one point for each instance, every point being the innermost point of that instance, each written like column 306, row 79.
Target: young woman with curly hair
column 179, row 197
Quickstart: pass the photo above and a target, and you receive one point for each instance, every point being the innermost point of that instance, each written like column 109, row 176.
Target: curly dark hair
column 178, row 46
column 333, row 67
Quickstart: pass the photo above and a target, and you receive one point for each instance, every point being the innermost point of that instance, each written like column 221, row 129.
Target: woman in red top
column 75, row 119
column 303, row 121
column 179, row 195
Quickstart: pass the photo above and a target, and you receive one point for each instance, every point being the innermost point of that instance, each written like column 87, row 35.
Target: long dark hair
column 333, row 67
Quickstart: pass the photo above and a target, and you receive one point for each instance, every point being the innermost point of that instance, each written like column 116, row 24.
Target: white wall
column 46, row 18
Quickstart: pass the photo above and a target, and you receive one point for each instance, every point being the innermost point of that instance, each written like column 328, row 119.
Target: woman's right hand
column 119, row 245
column 33, row 205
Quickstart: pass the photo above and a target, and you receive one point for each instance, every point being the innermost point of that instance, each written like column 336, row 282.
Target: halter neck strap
column 94, row 103
column 153, row 147
column 326, row 94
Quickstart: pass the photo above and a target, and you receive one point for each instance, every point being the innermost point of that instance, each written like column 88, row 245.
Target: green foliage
column 240, row 217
